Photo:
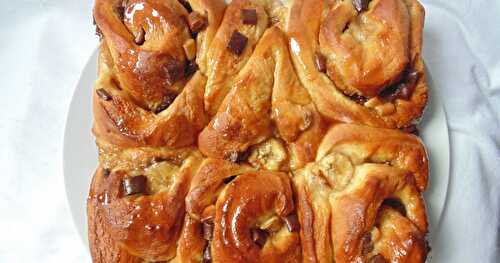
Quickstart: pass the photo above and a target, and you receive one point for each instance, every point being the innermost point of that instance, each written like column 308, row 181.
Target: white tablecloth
column 45, row 44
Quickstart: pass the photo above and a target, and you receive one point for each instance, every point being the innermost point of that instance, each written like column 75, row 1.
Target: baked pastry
column 361, row 201
column 219, row 141
column 361, row 60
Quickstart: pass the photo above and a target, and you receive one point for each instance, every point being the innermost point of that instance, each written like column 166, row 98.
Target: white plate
column 80, row 154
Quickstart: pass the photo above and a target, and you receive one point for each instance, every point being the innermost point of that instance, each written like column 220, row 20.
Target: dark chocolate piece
column 173, row 71
column 197, row 22
column 191, row 67
column 207, row 254
column 208, row 230
column 358, row 98
column 167, row 101
column 320, row 62
column 360, row 5
column 249, row 16
column 134, row 185
column 292, row 223
column 103, row 94
column 237, row 43
column 140, row 37
column 259, row 236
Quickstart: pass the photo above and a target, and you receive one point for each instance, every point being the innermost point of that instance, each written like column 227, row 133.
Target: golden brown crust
column 145, row 225
column 219, row 137
column 242, row 205
column 342, row 198
column 267, row 84
column 366, row 55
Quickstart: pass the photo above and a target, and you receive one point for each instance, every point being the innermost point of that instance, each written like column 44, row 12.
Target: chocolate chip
column 237, row 43
column 366, row 244
column 197, row 22
column 358, row 98
column 377, row 259
column 103, row 94
column 396, row 205
column 249, row 16
column 411, row 129
column 134, row 185
column 402, row 90
column 186, row 5
column 167, row 101
column 140, row 37
column 259, row 236
column 389, row 93
column 320, row 62
column 173, row 71
column 207, row 254
column 360, row 5
column 208, row 230
column 191, row 67
column 106, row 172
column 408, row 86
column 292, row 223
column 229, row 179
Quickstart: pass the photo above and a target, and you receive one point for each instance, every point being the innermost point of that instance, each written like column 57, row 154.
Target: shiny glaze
column 356, row 169
column 147, row 225
column 376, row 49
column 240, row 206
column 141, row 68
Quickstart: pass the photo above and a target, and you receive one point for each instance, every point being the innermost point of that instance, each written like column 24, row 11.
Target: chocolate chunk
column 292, row 223
column 103, row 94
column 186, row 5
column 167, row 100
column 408, row 86
column 360, row 5
column 358, row 98
column 366, row 244
column 197, row 22
column 377, row 259
column 237, row 43
column 208, row 230
column 396, row 205
column 229, row 179
column 173, row 71
column 140, row 37
column 191, row 67
column 411, row 129
column 259, row 236
column 134, row 185
column 389, row 93
column 249, row 16
column 402, row 90
column 106, row 172
column 320, row 62
column 207, row 254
